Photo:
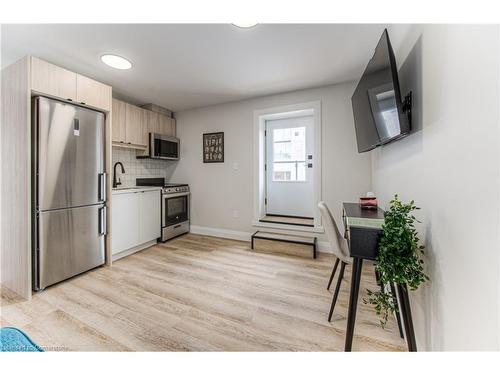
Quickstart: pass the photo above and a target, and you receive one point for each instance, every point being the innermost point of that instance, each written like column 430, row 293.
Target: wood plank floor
column 199, row 293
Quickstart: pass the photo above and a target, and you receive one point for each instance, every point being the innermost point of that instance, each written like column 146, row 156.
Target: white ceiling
column 183, row 66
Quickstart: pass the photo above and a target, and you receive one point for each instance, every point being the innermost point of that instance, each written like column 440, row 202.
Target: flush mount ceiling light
column 244, row 25
column 116, row 62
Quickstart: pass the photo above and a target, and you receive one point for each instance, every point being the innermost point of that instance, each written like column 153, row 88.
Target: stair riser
column 280, row 247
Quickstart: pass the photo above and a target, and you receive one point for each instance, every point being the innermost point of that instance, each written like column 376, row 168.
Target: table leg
column 407, row 319
column 353, row 302
column 398, row 311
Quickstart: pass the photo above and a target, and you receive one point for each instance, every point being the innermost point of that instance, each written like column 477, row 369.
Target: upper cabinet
column 93, row 93
column 132, row 125
column 52, row 80
column 118, row 121
column 153, row 123
column 166, row 125
column 128, row 125
column 145, row 128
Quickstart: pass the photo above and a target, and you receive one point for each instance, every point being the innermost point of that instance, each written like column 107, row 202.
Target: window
column 289, row 154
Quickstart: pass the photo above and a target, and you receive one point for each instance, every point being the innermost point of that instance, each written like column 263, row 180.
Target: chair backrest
column 332, row 232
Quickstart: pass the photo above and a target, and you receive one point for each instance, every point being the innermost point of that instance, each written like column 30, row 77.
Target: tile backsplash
column 139, row 168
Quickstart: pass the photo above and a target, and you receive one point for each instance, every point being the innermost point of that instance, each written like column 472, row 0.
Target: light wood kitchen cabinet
column 50, row 79
column 153, row 122
column 119, row 115
column 93, row 93
column 129, row 124
column 134, row 126
column 145, row 127
column 166, row 125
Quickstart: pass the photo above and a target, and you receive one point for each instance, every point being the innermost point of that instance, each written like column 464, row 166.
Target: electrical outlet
column 236, row 214
column 235, row 166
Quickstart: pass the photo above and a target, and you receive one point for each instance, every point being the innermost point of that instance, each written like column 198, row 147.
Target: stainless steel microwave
column 163, row 147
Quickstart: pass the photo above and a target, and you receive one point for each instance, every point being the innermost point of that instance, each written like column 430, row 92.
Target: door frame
column 260, row 117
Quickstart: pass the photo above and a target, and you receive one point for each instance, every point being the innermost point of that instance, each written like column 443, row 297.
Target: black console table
column 363, row 229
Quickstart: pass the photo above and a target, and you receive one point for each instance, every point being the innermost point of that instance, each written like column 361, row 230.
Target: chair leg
column 337, row 289
column 333, row 274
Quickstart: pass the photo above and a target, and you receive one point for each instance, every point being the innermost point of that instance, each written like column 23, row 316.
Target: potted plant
column 399, row 260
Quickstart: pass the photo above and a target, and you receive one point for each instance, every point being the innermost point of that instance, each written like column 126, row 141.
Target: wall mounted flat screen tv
column 379, row 114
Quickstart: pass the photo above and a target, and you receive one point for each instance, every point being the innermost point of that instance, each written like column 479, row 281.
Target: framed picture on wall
column 213, row 147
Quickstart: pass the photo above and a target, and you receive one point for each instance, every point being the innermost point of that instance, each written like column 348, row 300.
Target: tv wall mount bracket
column 406, row 107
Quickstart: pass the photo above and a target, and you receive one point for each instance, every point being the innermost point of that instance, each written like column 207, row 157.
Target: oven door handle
column 163, row 212
column 175, row 195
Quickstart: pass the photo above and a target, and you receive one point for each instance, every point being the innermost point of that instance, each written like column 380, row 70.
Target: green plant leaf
column 399, row 260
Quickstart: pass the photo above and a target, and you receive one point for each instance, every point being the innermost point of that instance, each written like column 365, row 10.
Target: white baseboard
column 133, row 250
column 323, row 246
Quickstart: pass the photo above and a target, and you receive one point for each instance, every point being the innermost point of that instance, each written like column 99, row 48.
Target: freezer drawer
column 70, row 241
column 69, row 151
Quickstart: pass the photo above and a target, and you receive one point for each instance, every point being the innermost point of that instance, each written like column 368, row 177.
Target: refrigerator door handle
column 102, row 187
column 103, row 230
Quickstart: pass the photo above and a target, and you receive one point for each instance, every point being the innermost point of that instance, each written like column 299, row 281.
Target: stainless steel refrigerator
column 69, row 191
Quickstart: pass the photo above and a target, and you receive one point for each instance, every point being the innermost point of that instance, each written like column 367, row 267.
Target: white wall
column 450, row 166
column 218, row 189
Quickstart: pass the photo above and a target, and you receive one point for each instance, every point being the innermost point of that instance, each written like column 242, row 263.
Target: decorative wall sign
column 213, row 147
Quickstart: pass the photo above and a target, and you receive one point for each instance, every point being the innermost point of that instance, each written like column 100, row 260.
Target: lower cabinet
column 149, row 216
column 135, row 219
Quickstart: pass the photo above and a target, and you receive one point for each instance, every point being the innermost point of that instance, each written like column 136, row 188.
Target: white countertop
column 135, row 189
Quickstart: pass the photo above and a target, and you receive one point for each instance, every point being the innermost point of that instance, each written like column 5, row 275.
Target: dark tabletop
column 354, row 210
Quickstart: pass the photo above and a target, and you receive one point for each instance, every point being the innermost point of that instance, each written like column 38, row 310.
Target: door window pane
column 289, row 144
column 289, row 154
column 284, row 172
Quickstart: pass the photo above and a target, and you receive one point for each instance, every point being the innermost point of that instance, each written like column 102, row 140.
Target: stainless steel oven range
column 174, row 207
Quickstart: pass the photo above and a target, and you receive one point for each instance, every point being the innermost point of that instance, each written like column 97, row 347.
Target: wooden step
column 288, row 220
column 284, row 243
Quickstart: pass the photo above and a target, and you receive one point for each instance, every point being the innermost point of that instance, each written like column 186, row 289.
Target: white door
column 289, row 177
column 149, row 214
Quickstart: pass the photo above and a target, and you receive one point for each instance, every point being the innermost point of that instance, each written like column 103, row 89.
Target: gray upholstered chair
column 340, row 250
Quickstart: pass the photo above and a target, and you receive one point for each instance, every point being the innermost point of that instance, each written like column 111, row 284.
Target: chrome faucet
column 117, row 182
